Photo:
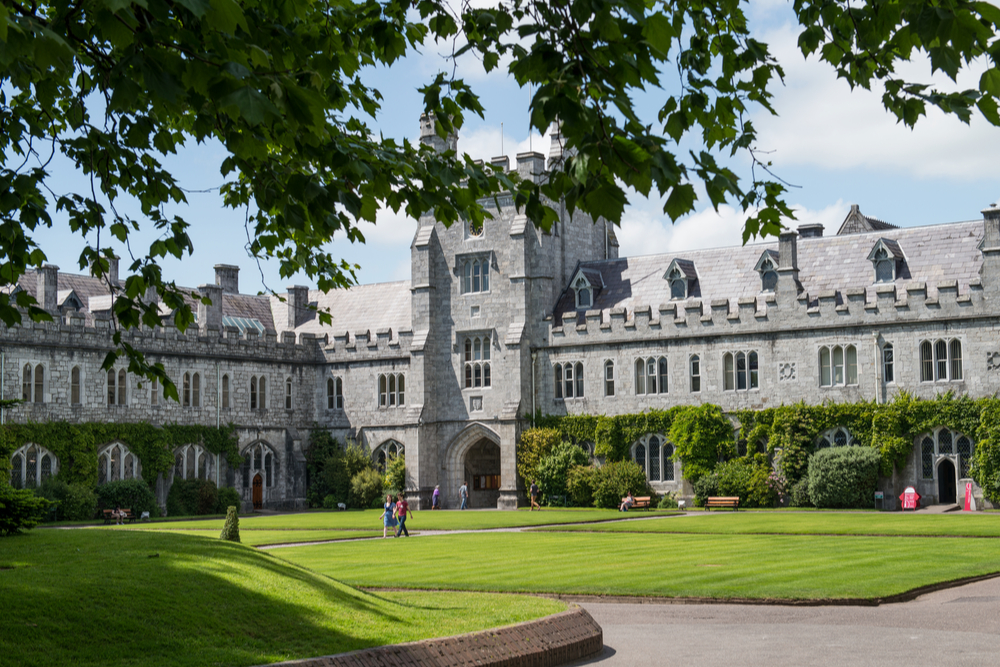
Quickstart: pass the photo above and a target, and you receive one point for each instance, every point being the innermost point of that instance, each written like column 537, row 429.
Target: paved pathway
column 958, row 626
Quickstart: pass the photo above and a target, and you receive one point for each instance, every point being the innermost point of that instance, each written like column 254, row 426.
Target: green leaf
column 252, row 105
column 659, row 33
column 196, row 7
column 989, row 82
column 226, row 15
column 680, row 202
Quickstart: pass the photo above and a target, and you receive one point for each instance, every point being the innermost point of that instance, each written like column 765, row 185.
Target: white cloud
column 484, row 143
column 826, row 124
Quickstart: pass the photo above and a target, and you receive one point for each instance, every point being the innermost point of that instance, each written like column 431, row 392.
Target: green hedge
column 133, row 494
column 192, row 497
column 843, row 477
column 73, row 502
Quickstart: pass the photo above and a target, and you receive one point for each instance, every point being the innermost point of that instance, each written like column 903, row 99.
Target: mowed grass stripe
column 422, row 520
column 813, row 523
column 116, row 598
column 712, row 566
column 257, row 538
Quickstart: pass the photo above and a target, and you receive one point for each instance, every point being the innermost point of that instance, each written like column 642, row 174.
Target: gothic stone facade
column 505, row 320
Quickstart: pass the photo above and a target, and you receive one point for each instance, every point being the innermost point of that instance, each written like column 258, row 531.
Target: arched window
column 768, row 276
column 945, row 442
column 609, row 378
column 391, row 387
column 651, row 376
column 655, row 456
column 941, row 361
column 225, row 392
column 259, row 458
column 888, row 364
column 568, row 380
column 122, row 387
column 288, row 393
column 39, row 384
column 74, row 386
column 835, row 437
column 885, row 266
column 557, row 374
column 253, row 392
column 335, row 393
column 477, row 362
column 26, row 383
column 740, row 371
column 186, row 390
column 476, row 275
column 640, row 377
column 838, row 366
column 584, row 294
column 386, row 452
column 154, row 392
column 695, row 372
column 116, row 462
column 112, row 393
column 30, row 465
column 578, row 372
column 262, row 392
column 196, row 390
column 33, row 383
column 678, row 284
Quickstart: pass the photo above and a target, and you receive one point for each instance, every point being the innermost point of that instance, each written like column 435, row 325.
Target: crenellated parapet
column 368, row 344
column 876, row 305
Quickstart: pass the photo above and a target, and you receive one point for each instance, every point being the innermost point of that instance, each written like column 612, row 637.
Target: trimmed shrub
column 133, row 494
column 615, row 480
column 395, row 476
column 553, row 469
column 231, row 530
column 800, row 493
column 667, row 502
column 581, row 481
column 228, row 497
column 843, row 476
column 701, row 435
column 366, row 487
column 330, row 502
column 189, row 497
column 706, row 487
column 20, row 509
column 535, row 444
column 75, row 502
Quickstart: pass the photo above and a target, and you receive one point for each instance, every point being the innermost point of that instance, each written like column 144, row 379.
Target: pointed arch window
column 74, row 386
column 945, row 442
column 695, row 370
column 386, row 452
column 335, row 393
column 740, row 371
column 838, row 366
column 122, row 387
column 477, row 351
column 654, row 454
column 288, row 393
column 651, row 376
column 31, row 465
column 475, row 275
column 391, row 387
column 609, row 378
column 678, row 284
column 225, row 392
column 835, row 437
column 584, row 293
column 941, row 360
column 253, row 392
column 33, row 383
column 115, row 462
column 259, row 458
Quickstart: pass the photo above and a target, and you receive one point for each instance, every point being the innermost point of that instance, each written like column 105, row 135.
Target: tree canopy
column 114, row 86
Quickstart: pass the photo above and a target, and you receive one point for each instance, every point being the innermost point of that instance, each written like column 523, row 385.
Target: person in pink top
column 402, row 512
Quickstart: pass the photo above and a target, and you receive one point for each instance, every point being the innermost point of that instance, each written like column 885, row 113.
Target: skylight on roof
column 243, row 324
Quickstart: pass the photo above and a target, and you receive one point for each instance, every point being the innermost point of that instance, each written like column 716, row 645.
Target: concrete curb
column 545, row 642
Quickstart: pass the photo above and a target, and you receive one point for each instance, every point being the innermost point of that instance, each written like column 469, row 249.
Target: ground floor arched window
column 115, row 462
column 193, row 462
column 655, row 456
column 31, row 465
column 945, row 442
column 385, row 452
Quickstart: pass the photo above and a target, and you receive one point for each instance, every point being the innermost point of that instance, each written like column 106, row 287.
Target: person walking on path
column 534, row 497
column 402, row 510
column 388, row 516
column 463, row 493
column 436, row 498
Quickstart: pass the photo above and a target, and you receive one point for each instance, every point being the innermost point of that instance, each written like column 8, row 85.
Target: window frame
column 741, row 370
column 391, row 390
column 838, row 365
column 694, row 373
column 941, row 360
column 609, row 378
column 474, row 274
column 477, row 353
column 664, row 461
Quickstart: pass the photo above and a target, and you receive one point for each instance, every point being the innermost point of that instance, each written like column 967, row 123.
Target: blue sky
column 839, row 146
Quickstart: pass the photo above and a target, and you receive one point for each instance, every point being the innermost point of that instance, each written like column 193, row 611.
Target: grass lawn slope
column 258, row 538
column 812, row 523
column 89, row 597
column 715, row 566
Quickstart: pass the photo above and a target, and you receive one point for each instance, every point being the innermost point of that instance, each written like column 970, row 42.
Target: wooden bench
column 732, row 502
column 641, row 502
column 109, row 516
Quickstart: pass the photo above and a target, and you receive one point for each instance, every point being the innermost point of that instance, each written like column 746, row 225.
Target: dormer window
column 682, row 278
column 886, row 258
column 678, row 286
column 584, row 294
column 768, row 276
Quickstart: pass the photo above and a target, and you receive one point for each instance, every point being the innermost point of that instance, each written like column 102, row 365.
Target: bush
column 332, row 476
column 366, row 487
column 133, row 494
column 322, row 446
column 706, row 487
column 330, row 502
column 615, row 480
column 228, row 497
column 20, row 509
column 535, row 444
column 843, row 476
column 667, row 502
column 75, row 502
column 552, row 470
column 581, row 481
column 800, row 493
column 189, row 497
column 231, row 531
column 701, row 435
column 395, row 476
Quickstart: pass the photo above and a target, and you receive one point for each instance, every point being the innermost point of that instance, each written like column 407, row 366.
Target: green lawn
column 87, row 597
column 257, row 538
column 813, row 523
column 425, row 520
column 716, row 566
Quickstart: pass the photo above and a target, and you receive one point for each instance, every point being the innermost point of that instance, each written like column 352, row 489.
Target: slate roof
column 933, row 254
column 858, row 223
column 358, row 309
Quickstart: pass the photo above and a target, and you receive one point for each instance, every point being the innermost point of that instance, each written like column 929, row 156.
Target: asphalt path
column 959, row 626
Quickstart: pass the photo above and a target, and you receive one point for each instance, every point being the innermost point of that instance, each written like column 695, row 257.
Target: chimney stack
column 47, row 293
column 990, row 271
column 787, row 290
column 298, row 305
column 501, row 161
column 227, row 277
column 812, row 230
column 531, row 166
column 210, row 316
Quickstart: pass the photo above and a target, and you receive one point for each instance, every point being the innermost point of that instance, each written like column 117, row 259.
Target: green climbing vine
column 76, row 445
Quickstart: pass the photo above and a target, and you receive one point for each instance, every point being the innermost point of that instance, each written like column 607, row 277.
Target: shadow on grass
column 107, row 598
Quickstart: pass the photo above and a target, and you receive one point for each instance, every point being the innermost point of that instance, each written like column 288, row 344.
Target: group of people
column 395, row 515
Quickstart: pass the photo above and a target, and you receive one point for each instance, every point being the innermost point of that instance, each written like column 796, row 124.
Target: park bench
column 641, row 502
column 723, row 501
column 110, row 518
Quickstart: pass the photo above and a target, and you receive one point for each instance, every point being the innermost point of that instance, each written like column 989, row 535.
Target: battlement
column 368, row 344
column 876, row 305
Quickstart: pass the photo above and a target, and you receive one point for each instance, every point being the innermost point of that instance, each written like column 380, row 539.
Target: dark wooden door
column 946, row 482
column 258, row 492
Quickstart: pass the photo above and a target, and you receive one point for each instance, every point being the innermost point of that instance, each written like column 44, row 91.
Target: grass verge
column 259, row 538
column 894, row 523
column 711, row 566
column 86, row 597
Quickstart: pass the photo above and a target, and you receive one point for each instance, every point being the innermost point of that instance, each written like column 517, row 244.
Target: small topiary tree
column 844, row 476
column 231, row 530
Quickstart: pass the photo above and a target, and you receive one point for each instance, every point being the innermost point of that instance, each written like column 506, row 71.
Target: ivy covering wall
column 892, row 428
column 76, row 445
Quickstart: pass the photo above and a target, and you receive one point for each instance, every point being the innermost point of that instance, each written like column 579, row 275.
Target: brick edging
column 545, row 642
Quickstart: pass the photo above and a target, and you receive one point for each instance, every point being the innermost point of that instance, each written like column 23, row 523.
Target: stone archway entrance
column 482, row 471
column 946, row 482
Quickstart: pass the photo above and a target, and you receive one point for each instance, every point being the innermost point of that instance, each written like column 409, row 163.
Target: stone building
column 503, row 320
